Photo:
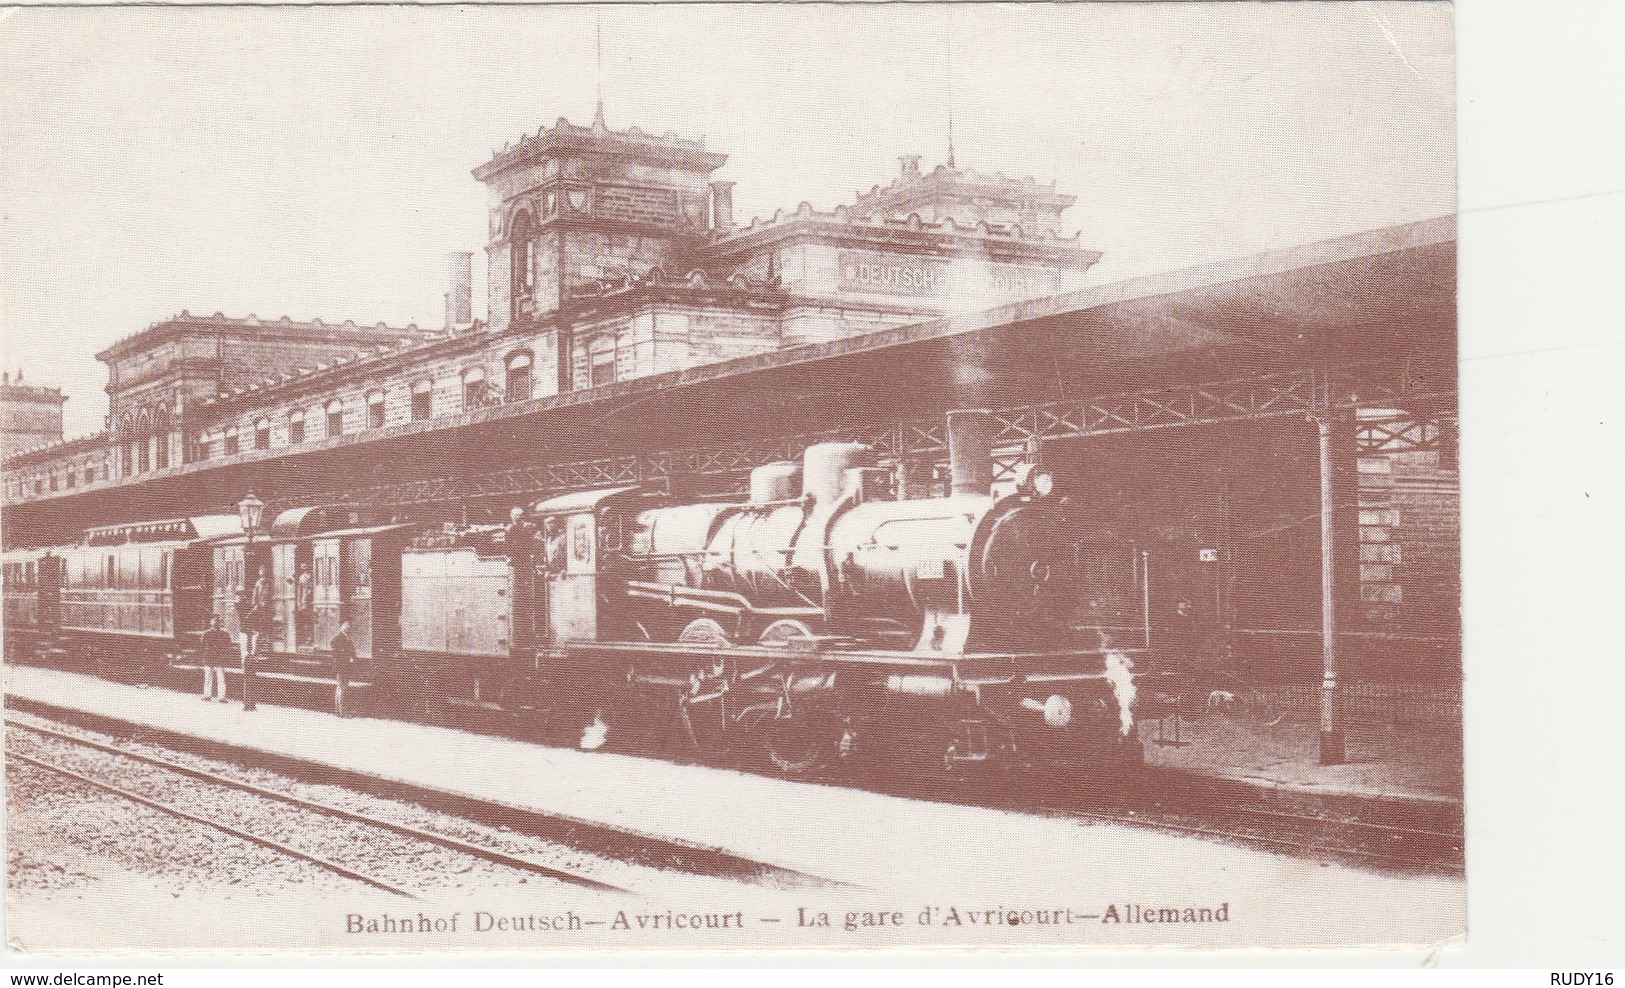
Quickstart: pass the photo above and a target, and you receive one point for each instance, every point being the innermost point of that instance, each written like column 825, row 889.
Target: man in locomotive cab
column 556, row 545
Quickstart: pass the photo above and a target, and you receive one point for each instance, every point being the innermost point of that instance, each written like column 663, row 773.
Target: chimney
column 722, row 206
column 911, row 165
column 459, row 290
column 970, row 451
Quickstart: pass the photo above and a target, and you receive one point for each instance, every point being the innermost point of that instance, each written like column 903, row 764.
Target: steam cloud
column 1120, row 673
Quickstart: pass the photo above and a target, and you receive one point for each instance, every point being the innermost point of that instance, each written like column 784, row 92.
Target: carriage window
column 112, row 573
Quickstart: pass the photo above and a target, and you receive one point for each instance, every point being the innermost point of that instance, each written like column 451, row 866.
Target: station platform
column 1402, row 753
column 868, row 844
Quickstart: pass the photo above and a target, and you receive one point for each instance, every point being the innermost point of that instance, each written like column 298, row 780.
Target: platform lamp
column 250, row 510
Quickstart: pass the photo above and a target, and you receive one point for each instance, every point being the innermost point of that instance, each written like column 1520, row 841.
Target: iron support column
column 1331, row 726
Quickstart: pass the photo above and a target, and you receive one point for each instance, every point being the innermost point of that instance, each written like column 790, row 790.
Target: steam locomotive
column 824, row 616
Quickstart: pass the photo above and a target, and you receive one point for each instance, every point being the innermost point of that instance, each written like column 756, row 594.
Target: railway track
column 639, row 851
column 1383, row 844
column 368, row 823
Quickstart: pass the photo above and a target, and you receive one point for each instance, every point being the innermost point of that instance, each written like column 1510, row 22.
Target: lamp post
column 249, row 510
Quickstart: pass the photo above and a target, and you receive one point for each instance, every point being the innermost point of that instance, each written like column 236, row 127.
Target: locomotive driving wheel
column 797, row 738
column 703, row 709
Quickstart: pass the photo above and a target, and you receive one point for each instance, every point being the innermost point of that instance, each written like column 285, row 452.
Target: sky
column 314, row 162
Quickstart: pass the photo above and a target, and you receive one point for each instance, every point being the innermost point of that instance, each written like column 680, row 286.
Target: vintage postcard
column 570, row 478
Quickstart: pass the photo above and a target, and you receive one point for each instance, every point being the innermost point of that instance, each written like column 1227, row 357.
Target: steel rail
column 253, row 838
column 480, row 851
column 1244, row 837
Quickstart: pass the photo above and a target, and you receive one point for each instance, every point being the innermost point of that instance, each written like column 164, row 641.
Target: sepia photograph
column 548, row 479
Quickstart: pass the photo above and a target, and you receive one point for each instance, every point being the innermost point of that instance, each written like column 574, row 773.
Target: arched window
column 422, row 393
column 517, row 387
column 126, row 434
column 262, row 434
column 296, row 426
column 160, row 423
column 335, row 418
column 522, row 252
column 232, row 447
column 475, row 392
column 375, row 410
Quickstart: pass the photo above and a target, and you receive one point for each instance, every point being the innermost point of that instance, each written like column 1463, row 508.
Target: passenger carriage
column 324, row 567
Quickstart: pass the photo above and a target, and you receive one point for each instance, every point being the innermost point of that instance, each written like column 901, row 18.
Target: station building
column 614, row 255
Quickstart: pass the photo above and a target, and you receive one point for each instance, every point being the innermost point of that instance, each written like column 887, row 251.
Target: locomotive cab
column 581, row 536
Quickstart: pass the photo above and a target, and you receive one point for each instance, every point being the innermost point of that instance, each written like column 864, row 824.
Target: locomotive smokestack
column 970, row 451
column 459, row 290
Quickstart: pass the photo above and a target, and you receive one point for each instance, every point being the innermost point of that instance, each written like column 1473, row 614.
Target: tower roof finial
column 598, row 117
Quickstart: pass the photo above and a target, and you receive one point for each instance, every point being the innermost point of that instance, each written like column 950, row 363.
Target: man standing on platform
column 258, row 619
column 343, row 660
column 303, row 597
column 219, row 651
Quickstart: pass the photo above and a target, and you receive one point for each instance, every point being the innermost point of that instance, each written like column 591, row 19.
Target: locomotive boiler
column 822, row 549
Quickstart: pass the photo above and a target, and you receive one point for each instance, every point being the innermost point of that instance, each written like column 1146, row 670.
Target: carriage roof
column 579, row 501
column 198, row 528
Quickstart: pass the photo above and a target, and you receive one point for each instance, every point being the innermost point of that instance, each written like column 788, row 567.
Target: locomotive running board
column 970, row 668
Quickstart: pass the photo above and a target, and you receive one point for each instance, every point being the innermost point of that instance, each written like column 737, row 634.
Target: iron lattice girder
column 1404, row 434
column 1020, row 429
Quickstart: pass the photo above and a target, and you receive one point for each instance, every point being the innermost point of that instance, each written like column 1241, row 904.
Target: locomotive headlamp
column 1034, row 481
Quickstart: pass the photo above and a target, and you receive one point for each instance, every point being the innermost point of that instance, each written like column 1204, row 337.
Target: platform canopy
column 1381, row 303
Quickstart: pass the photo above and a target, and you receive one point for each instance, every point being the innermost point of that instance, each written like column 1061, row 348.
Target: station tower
column 574, row 206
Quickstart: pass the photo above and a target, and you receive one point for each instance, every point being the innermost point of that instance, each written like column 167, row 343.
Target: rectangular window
column 53, row 481
column 420, row 405
column 163, row 450
column 375, row 415
column 262, row 436
column 72, row 478
column 296, row 431
column 603, row 368
column 335, row 423
column 231, row 444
